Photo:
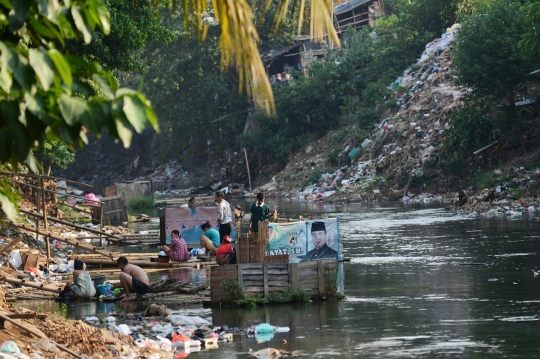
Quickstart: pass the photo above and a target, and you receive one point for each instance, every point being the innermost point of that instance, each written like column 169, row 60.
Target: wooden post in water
column 249, row 175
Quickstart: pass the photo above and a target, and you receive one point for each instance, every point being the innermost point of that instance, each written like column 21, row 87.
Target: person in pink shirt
column 178, row 251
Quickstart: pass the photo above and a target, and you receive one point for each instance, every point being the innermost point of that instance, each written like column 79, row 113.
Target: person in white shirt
column 224, row 215
column 190, row 204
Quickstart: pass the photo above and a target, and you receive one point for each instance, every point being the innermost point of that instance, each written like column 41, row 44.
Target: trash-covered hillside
column 401, row 158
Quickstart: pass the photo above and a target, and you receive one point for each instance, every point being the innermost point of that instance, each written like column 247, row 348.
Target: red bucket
column 163, row 259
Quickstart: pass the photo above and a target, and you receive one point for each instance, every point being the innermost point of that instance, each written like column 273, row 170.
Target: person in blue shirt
column 210, row 239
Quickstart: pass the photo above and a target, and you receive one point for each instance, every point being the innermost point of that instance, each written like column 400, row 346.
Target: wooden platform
column 265, row 278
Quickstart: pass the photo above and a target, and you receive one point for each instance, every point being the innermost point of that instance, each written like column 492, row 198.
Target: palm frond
column 238, row 39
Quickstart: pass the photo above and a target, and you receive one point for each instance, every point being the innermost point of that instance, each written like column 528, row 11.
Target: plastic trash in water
column 9, row 346
column 283, row 329
column 264, row 328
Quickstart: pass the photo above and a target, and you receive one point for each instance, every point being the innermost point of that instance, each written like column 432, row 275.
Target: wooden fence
column 319, row 278
column 114, row 211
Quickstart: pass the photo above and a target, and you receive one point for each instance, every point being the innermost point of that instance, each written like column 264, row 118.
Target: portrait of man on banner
column 320, row 242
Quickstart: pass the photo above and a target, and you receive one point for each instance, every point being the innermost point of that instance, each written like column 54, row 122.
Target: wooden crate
column 264, row 278
column 252, row 249
column 114, row 211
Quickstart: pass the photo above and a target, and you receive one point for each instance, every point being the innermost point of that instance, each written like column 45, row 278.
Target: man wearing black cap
column 321, row 251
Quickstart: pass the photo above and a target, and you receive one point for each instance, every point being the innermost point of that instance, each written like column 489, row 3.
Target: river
column 422, row 282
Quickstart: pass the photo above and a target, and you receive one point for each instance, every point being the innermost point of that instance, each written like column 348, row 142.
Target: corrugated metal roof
column 272, row 54
column 349, row 5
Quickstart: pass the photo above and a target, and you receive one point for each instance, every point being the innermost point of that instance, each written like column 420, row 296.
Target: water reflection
column 422, row 283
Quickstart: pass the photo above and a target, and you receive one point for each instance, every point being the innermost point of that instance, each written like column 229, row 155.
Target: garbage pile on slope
column 408, row 141
column 403, row 143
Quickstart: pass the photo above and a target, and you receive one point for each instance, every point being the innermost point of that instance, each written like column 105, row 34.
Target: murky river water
column 422, row 283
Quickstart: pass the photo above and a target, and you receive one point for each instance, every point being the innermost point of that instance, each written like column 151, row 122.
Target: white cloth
column 224, row 212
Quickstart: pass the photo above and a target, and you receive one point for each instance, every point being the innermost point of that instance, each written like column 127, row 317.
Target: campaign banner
column 306, row 240
column 188, row 222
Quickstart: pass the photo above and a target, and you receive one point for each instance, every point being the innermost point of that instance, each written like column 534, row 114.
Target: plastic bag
column 187, row 320
column 15, row 258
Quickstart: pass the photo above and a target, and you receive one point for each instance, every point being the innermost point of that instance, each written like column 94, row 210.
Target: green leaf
column 34, row 104
column 9, row 208
column 43, row 7
column 18, row 14
column 134, row 110
column 65, row 27
column 42, row 65
column 6, row 81
column 73, row 109
column 32, row 162
column 103, row 86
column 125, row 92
column 81, row 24
column 61, row 65
column 103, row 14
column 124, row 133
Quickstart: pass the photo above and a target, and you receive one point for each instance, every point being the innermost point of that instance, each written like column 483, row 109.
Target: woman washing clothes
column 82, row 284
column 178, row 251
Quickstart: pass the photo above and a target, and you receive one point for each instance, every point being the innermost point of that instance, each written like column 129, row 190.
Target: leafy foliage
column 530, row 18
column 142, row 203
column 47, row 94
column 55, row 155
column 489, row 61
column 133, row 25
column 471, row 128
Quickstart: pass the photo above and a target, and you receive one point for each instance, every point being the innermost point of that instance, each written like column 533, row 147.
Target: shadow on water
column 422, row 283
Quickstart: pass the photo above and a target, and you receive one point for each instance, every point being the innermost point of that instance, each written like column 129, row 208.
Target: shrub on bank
column 142, row 203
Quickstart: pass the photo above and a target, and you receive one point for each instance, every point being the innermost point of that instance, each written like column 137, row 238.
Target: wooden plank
column 253, row 266
column 278, row 271
column 320, row 274
column 312, row 264
column 223, row 268
column 31, row 261
column 239, row 275
column 113, row 211
column 265, row 280
column 254, row 289
column 253, row 283
column 278, row 283
column 309, row 281
column 11, row 245
column 278, row 266
column 293, row 275
column 252, row 272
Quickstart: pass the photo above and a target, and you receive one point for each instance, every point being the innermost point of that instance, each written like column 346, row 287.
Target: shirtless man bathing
column 132, row 278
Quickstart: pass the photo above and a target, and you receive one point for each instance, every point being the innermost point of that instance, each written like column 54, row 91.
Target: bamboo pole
column 40, row 286
column 44, row 203
column 39, row 335
column 48, row 249
column 101, row 222
column 75, row 207
column 10, row 245
column 68, row 241
column 249, row 175
column 148, row 264
column 111, row 237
